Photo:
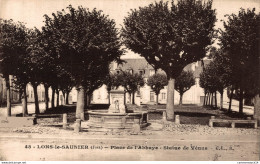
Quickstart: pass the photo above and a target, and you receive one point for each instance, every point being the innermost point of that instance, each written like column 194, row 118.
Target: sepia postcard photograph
column 129, row 80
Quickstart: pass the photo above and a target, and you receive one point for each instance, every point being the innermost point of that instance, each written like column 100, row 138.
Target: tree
column 157, row 82
column 12, row 46
column 170, row 37
column 66, row 83
column 208, row 81
column 240, row 40
column 37, row 61
column 184, row 82
column 86, row 42
column 130, row 82
column 51, row 68
column 216, row 76
column 222, row 70
column 20, row 83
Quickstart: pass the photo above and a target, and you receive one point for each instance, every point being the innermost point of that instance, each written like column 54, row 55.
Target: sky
column 31, row 11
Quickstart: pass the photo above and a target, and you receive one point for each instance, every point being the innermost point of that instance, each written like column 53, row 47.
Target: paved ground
column 176, row 142
column 156, row 142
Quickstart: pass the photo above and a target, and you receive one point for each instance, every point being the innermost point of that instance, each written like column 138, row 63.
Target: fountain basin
column 103, row 119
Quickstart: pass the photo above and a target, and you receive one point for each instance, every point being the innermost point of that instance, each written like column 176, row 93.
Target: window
column 163, row 96
column 152, row 72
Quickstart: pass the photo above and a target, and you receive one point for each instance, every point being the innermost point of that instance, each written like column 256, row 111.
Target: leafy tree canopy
column 157, row 82
column 129, row 81
column 111, row 81
column 85, row 41
column 184, row 82
column 13, row 37
column 240, row 40
column 170, row 37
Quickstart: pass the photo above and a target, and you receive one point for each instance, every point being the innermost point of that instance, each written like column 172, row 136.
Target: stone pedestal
column 117, row 102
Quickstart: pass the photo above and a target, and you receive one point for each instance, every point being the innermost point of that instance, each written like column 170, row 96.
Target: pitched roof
column 135, row 64
column 141, row 64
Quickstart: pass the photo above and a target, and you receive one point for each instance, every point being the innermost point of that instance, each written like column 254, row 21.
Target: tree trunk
column 130, row 95
column 20, row 97
column 67, row 98
column 257, row 107
column 180, row 103
column 37, row 109
column 64, row 98
column 241, row 97
column 109, row 98
column 216, row 105
column 80, row 103
column 230, row 100
column 170, row 100
column 207, row 97
column 8, row 96
column 124, row 98
column 157, row 99
column 211, row 99
column 57, row 98
column 24, row 102
column 52, row 97
column 133, row 98
column 46, row 97
column 221, row 100
column 204, row 101
column 87, row 99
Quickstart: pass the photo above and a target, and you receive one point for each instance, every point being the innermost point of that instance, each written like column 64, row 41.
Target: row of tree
column 132, row 83
column 81, row 43
column 23, row 54
column 235, row 65
column 72, row 49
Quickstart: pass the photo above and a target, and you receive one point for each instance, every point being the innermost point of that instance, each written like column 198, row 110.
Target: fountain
column 117, row 116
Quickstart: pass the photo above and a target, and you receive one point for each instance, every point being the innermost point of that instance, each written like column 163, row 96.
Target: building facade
column 195, row 95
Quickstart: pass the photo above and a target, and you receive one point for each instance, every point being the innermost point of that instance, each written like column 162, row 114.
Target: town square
column 133, row 80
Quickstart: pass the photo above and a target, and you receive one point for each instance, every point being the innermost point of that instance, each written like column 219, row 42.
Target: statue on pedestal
column 118, row 102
